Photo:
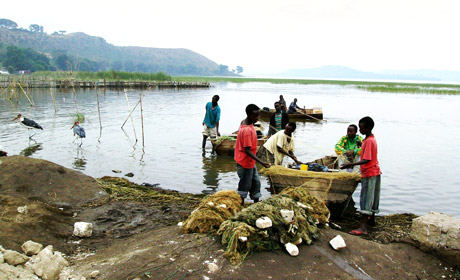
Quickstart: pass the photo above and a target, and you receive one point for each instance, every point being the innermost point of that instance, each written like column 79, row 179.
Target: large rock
column 31, row 248
column 15, row 258
column 8, row 272
column 38, row 179
column 47, row 264
column 83, row 229
column 437, row 230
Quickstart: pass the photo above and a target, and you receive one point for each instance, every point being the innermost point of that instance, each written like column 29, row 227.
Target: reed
column 107, row 75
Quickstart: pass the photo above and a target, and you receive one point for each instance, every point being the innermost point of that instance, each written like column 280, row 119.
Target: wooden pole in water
column 130, row 113
column 142, row 120
column 130, row 116
column 99, row 111
column 31, row 102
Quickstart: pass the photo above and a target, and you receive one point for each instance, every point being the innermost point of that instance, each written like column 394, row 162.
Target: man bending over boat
column 211, row 120
column 278, row 120
column 279, row 145
column 348, row 149
column 293, row 107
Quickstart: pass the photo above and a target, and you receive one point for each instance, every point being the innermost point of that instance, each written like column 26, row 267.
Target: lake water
column 418, row 137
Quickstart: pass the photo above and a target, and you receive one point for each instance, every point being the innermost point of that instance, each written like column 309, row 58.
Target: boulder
column 292, row 249
column 83, row 229
column 16, row 272
column 15, row 258
column 31, row 248
column 48, row 264
column 437, row 230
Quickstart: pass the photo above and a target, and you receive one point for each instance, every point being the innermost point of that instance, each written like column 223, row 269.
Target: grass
column 107, row 75
column 396, row 87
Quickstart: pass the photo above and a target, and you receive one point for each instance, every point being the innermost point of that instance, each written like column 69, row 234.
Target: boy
column 348, row 149
column 370, row 173
column 279, row 145
column 278, row 120
column 245, row 156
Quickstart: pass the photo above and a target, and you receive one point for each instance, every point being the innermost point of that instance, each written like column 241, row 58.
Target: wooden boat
column 300, row 115
column 227, row 146
column 335, row 188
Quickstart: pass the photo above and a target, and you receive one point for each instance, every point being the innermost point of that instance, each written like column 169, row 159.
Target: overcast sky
column 268, row 36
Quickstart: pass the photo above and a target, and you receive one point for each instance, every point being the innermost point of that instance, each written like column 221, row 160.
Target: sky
column 268, row 36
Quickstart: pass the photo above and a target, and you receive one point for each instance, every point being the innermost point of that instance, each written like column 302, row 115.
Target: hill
column 341, row 72
column 79, row 50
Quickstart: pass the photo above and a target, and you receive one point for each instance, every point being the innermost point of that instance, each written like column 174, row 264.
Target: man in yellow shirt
column 348, row 149
column 279, row 145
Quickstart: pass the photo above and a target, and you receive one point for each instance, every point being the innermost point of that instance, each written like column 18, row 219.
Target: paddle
column 310, row 116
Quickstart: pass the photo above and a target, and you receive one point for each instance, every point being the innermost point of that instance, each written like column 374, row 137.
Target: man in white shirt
column 279, row 145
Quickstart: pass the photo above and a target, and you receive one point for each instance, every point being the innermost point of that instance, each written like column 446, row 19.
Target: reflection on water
column 31, row 149
column 79, row 162
column 410, row 130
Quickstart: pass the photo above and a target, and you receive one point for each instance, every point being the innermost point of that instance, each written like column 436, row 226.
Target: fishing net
column 212, row 212
column 241, row 236
column 316, row 208
column 221, row 139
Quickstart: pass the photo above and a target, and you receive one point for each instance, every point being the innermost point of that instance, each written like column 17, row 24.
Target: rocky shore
column 134, row 234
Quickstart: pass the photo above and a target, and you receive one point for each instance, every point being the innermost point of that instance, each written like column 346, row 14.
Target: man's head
column 351, row 131
column 366, row 125
column 295, row 100
column 215, row 98
column 277, row 107
column 290, row 128
column 281, row 97
column 252, row 113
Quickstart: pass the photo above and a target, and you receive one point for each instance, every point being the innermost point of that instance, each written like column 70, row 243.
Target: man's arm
column 339, row 146
column 347, row 165
column 248, row 151
column 217, row 128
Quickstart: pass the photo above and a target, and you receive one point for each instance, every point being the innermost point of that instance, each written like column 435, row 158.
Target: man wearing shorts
column 211, row 120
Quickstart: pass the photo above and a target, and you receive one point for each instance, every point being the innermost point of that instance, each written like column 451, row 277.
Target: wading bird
column 78, row 131
column 28, row 123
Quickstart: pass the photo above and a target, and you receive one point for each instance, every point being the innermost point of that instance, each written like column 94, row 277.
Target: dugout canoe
column 227, row 146
column 301, row 115
column 335, row 188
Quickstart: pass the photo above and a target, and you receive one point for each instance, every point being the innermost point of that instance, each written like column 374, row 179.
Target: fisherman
column 245, row 156
column 211, row 120
column 279, row 145
column 370, row 177
column 293, row 107
column 278, row 120
column 348, row 149
column 283, row 104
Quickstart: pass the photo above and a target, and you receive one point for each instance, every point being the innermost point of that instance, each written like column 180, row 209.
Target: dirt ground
column 135, row 233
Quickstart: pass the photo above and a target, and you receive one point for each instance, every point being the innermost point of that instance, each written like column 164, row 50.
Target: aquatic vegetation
column 396, row 87
column 107, row 75
column 79, row 117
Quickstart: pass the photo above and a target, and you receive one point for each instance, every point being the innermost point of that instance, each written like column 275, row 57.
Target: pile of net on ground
column 212, row 212
column 293, row 221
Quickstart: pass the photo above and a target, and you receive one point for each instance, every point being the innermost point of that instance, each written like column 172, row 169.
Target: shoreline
column 134, row 227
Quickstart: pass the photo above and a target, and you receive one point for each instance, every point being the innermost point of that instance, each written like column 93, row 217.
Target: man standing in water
column 211, row 120
column 245, row 155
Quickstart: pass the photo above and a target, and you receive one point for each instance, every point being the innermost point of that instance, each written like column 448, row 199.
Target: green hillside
column 79, row 51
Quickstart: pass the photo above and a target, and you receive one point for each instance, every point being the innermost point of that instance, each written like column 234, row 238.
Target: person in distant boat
column 282, row 104
column 348, row 149
column 370, row 177
column 278, row 120
column 245, row 156
column 211, row 120
column 293, row 107
column 278, row 146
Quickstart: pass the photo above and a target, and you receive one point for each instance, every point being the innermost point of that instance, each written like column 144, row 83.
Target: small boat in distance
column 301, row 114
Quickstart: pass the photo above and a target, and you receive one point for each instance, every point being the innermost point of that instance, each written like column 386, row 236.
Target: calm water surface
column 417, row 134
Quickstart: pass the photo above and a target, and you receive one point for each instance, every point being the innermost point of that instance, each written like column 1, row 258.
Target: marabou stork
column 78, row 131
column 28, row 123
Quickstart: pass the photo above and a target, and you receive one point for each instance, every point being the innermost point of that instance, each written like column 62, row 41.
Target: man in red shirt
column 370, row 173
column 245, row 155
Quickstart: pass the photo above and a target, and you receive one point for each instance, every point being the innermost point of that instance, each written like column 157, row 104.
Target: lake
column 417, row 135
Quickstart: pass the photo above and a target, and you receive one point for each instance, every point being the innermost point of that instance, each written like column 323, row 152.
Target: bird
column 78, row 131
column 28, row 123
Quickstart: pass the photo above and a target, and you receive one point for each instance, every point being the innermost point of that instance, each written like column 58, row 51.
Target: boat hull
column 306, row 115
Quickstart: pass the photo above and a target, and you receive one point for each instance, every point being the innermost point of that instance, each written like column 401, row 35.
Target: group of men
column 352, row 150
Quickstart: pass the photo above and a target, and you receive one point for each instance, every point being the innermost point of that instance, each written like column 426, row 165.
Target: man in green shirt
column 348, row 149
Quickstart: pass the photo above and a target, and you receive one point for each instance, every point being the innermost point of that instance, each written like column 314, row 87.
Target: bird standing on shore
column 78, row 131
column 28, row 123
